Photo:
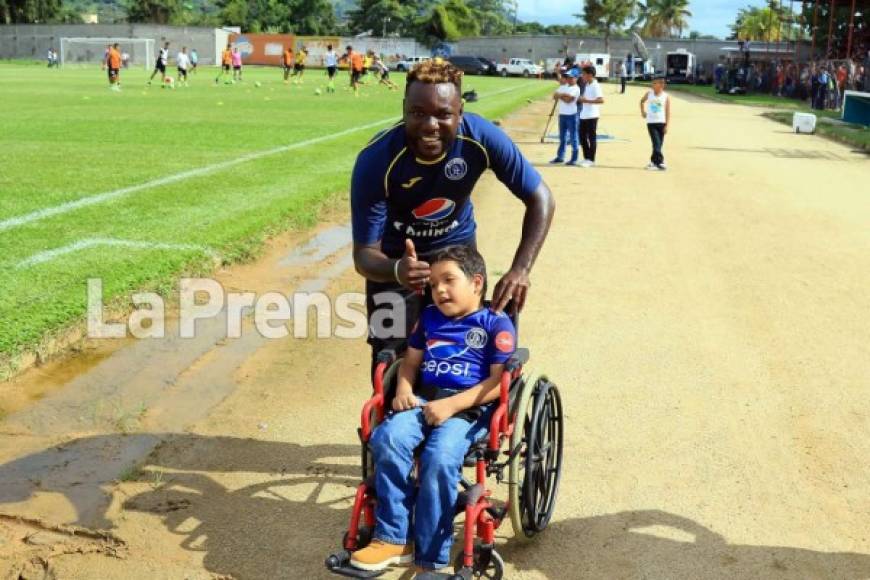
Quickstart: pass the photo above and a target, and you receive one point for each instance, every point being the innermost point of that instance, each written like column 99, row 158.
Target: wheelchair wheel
column 536, row 457
column 391, row 375
column 492, row 569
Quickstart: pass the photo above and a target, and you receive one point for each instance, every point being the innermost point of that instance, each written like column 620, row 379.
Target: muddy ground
column 709, row 328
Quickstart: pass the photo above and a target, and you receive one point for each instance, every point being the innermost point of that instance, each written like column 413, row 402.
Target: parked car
column 520, row 66
column 491, row 67
column 469, row 65
column 406, row 64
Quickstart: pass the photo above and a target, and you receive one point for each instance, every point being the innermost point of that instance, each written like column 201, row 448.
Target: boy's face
column 454, row 293
column 658, row 86
column 588, row 78
column 571, row 80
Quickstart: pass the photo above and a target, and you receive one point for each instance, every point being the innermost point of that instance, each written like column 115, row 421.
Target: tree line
column 427, row 20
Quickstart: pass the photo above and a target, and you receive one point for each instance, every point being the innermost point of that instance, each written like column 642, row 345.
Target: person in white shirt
column 592, row 98
column 160, row 65
column 330, row 61
column 182, row 61
column 566, row 97
column 623, row 76
column 655, row 107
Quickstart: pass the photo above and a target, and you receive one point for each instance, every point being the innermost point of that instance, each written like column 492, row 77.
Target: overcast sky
column 709, row 16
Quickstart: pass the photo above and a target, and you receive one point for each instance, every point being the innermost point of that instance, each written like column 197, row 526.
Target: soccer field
column 138, row 186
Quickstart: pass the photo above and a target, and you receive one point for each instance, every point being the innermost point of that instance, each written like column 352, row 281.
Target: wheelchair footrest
column 339, row 563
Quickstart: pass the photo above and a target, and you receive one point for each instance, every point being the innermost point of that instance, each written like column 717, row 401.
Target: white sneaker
column 662, row 167
column 587, row 163
column 652, row 167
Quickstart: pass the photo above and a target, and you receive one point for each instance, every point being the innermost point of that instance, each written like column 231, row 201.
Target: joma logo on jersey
column 434, row 210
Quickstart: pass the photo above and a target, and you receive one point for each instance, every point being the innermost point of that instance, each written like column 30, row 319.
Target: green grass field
column 66, row 138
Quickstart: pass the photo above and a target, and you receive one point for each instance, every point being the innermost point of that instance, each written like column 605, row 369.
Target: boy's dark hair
column 589, row 69
column 467, row 258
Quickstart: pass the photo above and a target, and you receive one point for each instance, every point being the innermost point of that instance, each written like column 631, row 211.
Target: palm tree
column 606, row 15
column 661, row 18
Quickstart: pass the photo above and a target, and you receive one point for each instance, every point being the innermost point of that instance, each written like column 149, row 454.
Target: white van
column 409, row 62
column 599, row 60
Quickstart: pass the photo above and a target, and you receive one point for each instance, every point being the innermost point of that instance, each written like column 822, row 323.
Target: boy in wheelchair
column 459, row 348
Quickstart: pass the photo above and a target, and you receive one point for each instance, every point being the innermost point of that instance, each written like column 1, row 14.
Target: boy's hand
column 436, row 412
column 404, row 401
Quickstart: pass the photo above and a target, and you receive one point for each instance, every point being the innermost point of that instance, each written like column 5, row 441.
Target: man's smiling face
column 432, row 115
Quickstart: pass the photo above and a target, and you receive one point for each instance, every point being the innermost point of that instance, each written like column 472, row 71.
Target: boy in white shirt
column 566, row 97
column 592, row 97
column 182, row 61
column 655, row 107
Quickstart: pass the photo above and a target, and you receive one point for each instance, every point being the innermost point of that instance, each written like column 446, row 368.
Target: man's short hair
column 432, row 72
column 589, row 69
column 467, row 258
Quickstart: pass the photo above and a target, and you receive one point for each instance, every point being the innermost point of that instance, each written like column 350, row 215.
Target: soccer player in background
column 226, row 63
column 330, row 61
column 355, row 67
column 113, row 64
column 182, row 62
column 194, row 60
column 288, row 63
column 160, row 65
column 299, row 67
column 237, row 64
column 367, row 65
column 383, row 71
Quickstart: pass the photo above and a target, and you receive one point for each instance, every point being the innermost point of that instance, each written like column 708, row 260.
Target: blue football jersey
column 458, row 352
column 396, row 196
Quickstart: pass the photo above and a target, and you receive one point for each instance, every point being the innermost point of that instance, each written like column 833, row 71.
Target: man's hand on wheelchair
column 404, row 400
column 411, row 272
column 436, row 412
column 513, row 285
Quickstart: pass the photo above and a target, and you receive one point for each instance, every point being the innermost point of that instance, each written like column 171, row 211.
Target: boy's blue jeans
column 421, row 511
column 568, row 130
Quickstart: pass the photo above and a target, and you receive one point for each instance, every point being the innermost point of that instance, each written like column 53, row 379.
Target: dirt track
column 709, row 328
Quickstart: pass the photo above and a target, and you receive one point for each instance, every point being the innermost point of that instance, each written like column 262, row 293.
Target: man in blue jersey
column 410, row 196
column 459, row 349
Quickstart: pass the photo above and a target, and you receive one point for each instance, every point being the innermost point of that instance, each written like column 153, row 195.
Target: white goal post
column 91, row 50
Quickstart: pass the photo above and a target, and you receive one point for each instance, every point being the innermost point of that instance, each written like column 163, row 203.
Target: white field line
column 41, row 214
column 83, row 244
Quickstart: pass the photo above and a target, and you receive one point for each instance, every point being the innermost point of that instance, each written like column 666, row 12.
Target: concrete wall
column 537, row 48
column 34, row 40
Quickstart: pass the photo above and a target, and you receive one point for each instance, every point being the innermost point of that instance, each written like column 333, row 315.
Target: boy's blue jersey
column 396, row 196
column 458, row 352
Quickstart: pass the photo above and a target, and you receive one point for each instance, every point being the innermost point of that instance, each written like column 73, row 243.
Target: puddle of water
column 39, row 382
column 323, row 244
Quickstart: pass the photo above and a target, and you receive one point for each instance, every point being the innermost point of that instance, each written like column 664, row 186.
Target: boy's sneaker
column 379, row 555
column 662, row 167
column 572, row 162
column 586, row 163
column 556, row 161
column 652, row 166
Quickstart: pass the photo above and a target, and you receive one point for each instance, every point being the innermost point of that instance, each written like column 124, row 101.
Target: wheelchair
column 523, row 446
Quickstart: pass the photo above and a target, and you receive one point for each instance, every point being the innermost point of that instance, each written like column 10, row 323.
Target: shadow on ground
column 653, row 544
column 267, row 509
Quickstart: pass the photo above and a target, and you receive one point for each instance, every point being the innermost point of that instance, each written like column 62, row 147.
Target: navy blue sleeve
column 505, row 159
column 368, row 202
column 502, row 340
